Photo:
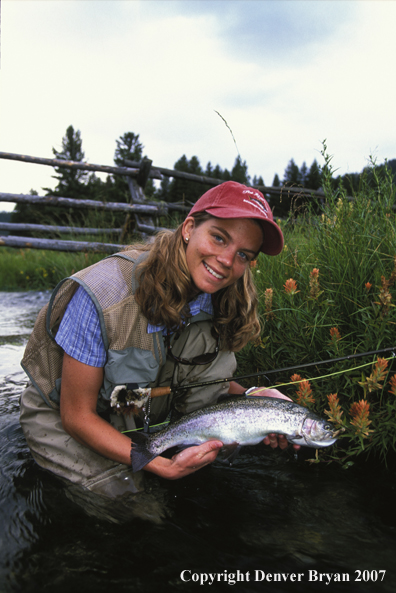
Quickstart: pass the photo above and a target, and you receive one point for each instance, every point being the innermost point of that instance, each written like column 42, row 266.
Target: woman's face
column 219, row 250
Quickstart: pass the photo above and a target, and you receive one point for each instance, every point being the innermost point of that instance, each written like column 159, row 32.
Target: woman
column 139, row 319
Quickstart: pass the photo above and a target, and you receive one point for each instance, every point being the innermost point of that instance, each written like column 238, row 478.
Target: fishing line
column 361, row 366
column 322, row 377
column 282, row 370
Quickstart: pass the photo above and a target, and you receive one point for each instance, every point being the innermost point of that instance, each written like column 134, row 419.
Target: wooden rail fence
column 140, row 211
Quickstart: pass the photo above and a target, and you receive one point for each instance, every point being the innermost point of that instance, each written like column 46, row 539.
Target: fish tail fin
column 140, row 452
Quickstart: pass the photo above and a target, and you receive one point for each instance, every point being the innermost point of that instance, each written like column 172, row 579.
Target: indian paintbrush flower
column 392, row 384
column 314, row 291
column 268, row 296
column 373, row 382
column 291, row 286
column 335, row 335
column 367, row 286
column 335, row 411
column 295, row 378
column 385, row 296
column 304, row 391
column 360, row 417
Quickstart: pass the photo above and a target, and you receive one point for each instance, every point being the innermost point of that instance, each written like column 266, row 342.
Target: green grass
column 31, row 269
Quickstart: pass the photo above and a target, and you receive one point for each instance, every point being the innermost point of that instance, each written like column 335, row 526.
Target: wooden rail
column 59, row 245
column 49, row 228
column 140, row 211
column 111, row 170
column 157, row 208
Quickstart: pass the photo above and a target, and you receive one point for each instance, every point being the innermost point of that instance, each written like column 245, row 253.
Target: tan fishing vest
column 133, row 355
column 111, row 285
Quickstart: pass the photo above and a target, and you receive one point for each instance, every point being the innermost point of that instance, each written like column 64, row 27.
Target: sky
column 284, row 75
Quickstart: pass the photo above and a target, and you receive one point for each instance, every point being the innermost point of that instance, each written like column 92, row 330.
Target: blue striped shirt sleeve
column 79, row 333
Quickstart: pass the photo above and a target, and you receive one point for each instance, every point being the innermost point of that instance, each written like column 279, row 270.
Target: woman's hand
column 186, row 462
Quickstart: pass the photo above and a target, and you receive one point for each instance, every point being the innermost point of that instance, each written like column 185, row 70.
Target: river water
column 270, row 522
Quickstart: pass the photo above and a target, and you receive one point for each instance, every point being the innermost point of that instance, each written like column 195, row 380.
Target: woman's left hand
column 274, row 440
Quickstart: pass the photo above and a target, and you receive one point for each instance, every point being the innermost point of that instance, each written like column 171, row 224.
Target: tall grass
column 328, row 295
column 31, row 269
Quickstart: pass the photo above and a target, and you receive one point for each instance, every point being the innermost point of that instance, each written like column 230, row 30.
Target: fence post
column 136, row 189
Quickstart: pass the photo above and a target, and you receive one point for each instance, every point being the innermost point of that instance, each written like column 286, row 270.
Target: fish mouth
column 329, row 439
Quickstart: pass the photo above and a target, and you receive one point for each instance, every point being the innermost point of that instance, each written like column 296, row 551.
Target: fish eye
column 328, row 426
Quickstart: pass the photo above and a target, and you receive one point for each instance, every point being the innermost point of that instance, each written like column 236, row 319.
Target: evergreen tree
column 292, row 174
column 218, row 172
column 304, row 174
column 128, row 148
column 71, row 182
column 209, row 170
column 314, row 177
column 276, row 182
column 258, row 181
column 239, row 171
column 182, row 190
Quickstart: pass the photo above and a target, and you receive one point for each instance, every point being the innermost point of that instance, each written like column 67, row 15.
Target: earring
column 187, row 239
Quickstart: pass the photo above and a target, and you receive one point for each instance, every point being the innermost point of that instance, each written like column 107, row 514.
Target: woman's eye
column 243, row 255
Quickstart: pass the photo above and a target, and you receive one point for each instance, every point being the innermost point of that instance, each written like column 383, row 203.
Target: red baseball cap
column 235, row 200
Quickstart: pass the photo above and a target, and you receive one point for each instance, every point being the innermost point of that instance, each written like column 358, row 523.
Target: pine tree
column 276, row 182
column 314, row 177
column 71, row 182
column 304, row 174
column 239, row 171
column 182, row 190
column 292, row 174
column 129, row 148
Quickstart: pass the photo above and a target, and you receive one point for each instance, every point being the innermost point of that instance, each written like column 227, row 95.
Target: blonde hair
column 165, row 289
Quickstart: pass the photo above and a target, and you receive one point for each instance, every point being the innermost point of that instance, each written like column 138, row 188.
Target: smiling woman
column 163, row 314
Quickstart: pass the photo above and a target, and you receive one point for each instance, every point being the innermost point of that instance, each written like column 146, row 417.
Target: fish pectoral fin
column 228, row 453
column 140, row 454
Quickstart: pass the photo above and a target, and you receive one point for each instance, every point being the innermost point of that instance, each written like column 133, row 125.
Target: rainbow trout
column 237, row 422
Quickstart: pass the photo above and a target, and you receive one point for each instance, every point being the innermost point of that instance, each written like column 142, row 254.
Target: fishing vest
column 133, row 355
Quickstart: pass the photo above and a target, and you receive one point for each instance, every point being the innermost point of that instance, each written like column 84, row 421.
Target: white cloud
column 285, row 75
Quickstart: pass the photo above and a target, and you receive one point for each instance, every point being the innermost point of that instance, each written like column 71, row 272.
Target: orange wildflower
column 291, row 286
column 373, row 382
column 304, row 393
column 367, row 286
column 335, row 334
column 360, row 414
column 335, row 411
column 392, row 383
column 295, row 378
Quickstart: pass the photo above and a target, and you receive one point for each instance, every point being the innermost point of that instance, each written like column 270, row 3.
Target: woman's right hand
column 186, row 462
